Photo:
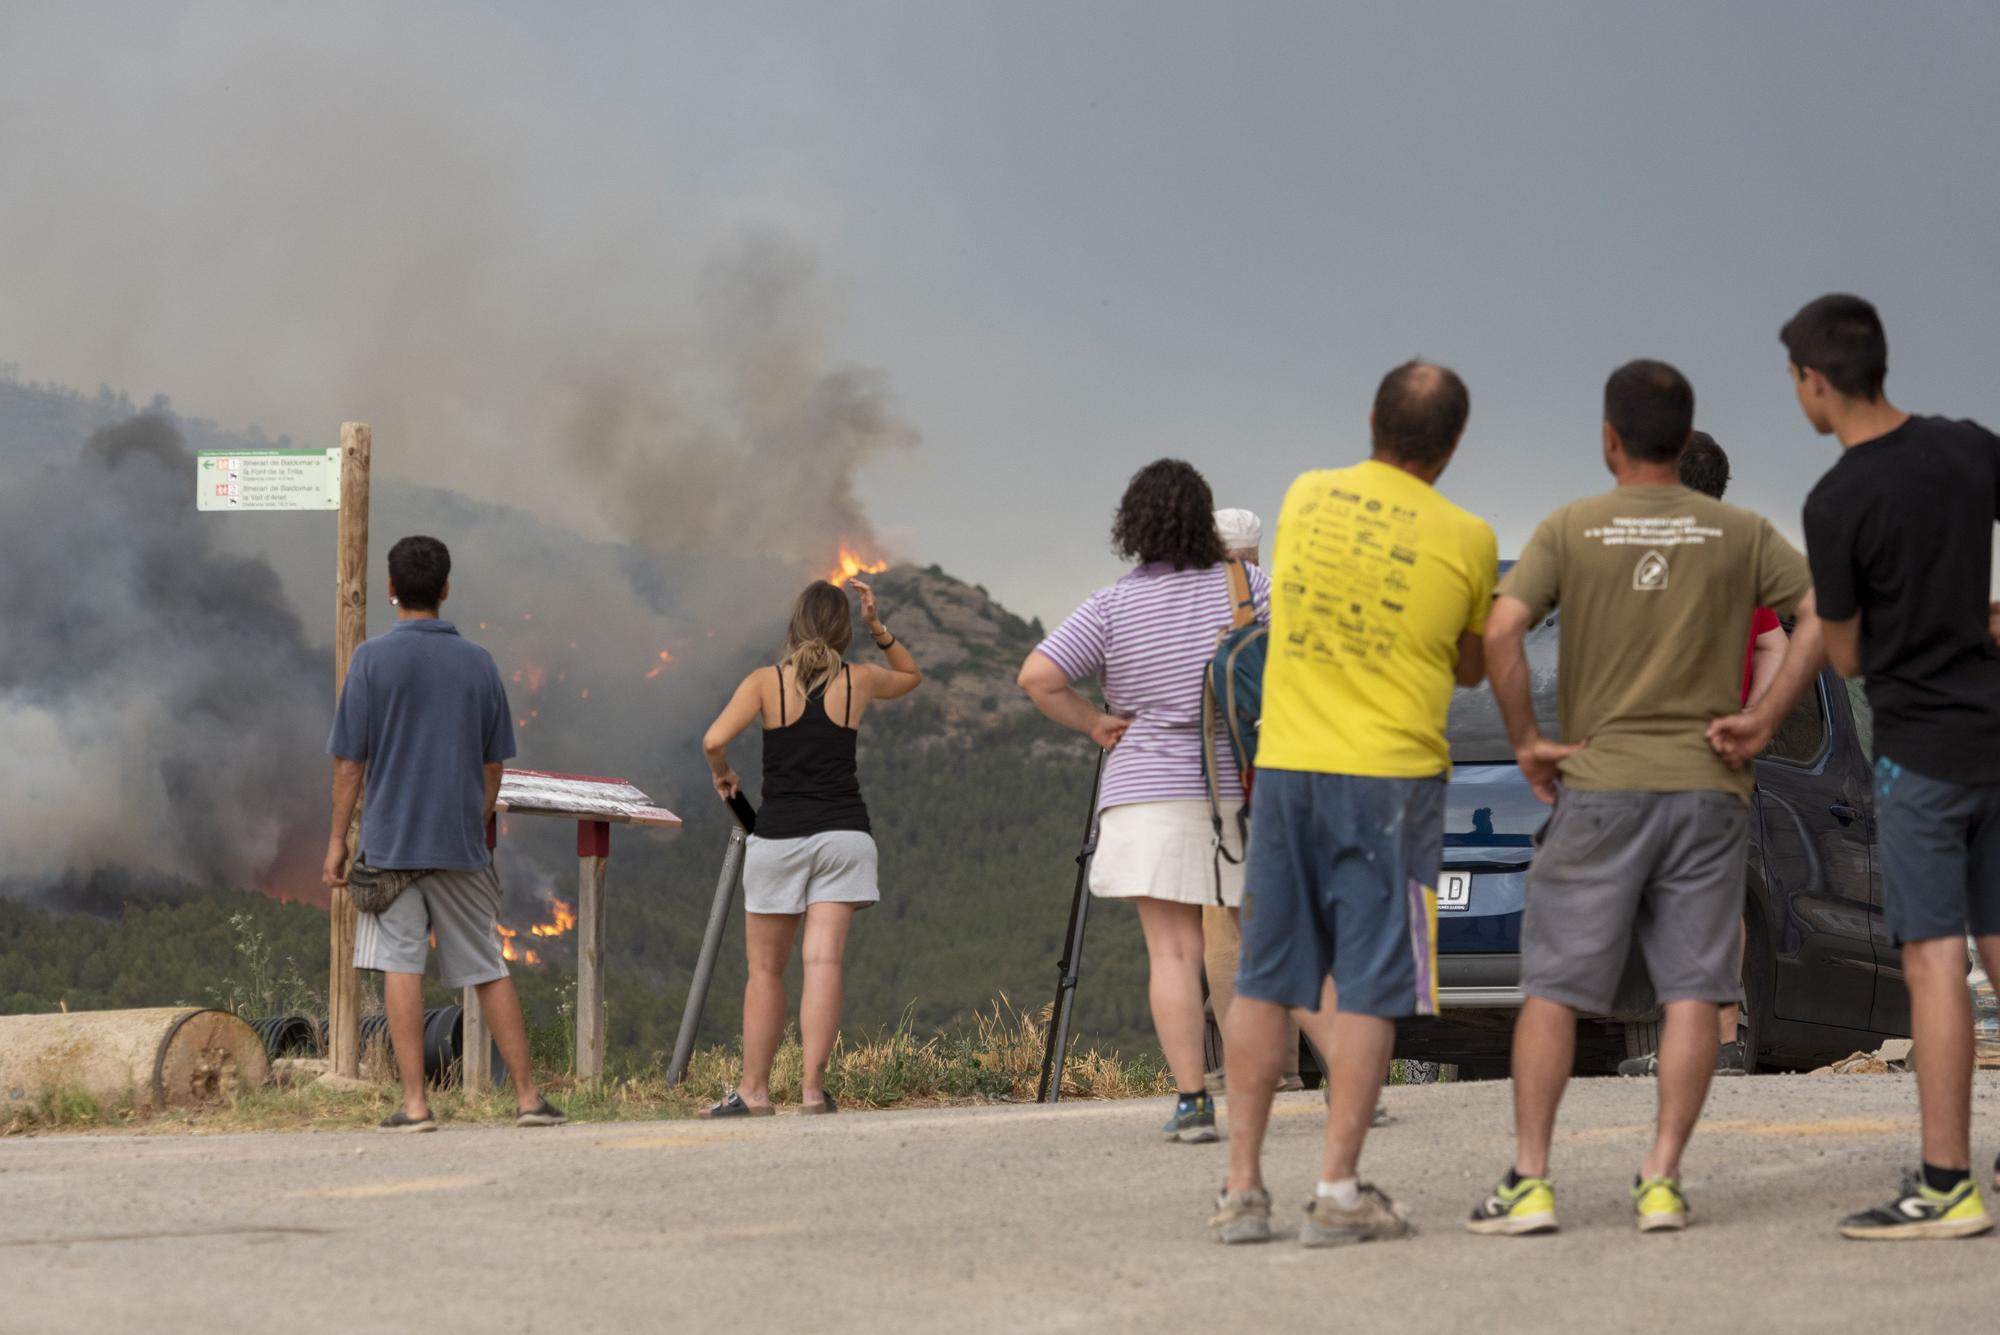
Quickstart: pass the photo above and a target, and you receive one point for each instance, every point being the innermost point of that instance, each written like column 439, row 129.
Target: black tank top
column 810, row 782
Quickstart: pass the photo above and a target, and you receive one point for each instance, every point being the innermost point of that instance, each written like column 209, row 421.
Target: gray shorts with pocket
column 787, row 876
column 462, row 908
column 1619, row 867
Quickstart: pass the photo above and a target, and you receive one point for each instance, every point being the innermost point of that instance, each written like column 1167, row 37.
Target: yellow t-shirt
column 1374, row 576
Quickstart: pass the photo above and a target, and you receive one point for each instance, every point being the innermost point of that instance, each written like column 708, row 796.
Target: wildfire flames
column 852, row 564
column 562, row 921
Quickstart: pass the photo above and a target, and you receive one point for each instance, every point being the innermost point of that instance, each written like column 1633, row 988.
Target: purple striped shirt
column 1148, row 638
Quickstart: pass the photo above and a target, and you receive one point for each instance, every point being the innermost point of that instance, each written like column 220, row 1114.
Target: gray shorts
column 462, row 908
column 788, row 875
column 1940, row 851
column 1615, row 867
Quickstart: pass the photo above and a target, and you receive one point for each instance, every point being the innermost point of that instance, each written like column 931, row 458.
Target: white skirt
column 1166, row 850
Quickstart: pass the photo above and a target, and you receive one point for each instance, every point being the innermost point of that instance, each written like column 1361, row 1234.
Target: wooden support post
column 593, row 852
column 475, row 1053
column 475, row 1045
column 350, row 627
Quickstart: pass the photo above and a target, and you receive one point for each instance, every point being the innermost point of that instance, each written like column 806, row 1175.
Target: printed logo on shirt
column 1650, row 574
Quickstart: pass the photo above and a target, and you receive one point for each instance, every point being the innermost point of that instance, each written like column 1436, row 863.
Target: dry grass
column 997, row 1057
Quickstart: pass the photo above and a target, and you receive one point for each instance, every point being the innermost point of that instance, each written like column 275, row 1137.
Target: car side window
column 1864, row 718
column 1802, row 736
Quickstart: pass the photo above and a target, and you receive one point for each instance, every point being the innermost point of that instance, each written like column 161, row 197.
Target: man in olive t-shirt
column 1648, row 840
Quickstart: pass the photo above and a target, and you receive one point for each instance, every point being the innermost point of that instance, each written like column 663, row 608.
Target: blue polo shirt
column 426, row 711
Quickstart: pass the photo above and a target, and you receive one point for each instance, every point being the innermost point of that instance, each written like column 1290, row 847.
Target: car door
column 1814, row 815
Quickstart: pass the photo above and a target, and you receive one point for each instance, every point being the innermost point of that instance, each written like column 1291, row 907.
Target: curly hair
column 1704, row 466
column 1168, row 514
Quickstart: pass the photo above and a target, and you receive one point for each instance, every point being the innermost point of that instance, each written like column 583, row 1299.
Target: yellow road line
column 406, row 1187
column 672, row 1139
column 1831, row 1126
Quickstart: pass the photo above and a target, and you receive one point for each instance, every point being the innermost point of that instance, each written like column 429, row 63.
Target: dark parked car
column 1820, row 978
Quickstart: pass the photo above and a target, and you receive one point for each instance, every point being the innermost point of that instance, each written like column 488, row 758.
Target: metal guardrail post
column 711, row 946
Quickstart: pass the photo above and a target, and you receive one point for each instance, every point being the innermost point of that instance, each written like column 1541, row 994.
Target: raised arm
column 1507, row 664
column 743, row 709
column 901, row 675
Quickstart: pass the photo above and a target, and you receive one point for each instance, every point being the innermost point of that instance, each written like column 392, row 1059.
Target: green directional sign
column 267, row 480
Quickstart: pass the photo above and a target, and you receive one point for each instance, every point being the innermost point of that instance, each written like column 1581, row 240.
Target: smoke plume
column 156, row 694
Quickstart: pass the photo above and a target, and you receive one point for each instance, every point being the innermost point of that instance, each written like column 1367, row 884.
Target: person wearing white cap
column 1242, row 533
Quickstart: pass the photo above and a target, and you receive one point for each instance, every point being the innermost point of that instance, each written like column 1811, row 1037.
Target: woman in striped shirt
column 1147, row 641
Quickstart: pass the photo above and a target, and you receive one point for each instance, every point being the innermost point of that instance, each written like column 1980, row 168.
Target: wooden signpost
column 595, row 804
column 350, row 628
column 242, row 481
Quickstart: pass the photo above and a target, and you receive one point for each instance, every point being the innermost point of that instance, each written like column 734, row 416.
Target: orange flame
column 562, row 918
column 661, row 666
column 516, row 954
column 852, row 564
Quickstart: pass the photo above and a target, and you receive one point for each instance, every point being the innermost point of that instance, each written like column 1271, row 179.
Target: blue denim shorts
column 1940, row 850
column 1343, row 880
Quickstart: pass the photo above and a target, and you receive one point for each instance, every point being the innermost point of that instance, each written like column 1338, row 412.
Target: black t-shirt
column 1900, row 531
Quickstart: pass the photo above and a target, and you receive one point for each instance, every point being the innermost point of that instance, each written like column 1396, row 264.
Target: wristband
column 886, row 644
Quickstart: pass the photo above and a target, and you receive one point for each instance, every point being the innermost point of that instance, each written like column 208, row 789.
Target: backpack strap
column 1242, row 606
column 1208, row 742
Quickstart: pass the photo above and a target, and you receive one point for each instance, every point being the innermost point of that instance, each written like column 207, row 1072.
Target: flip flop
column 734, row 1106
column 825, row 1106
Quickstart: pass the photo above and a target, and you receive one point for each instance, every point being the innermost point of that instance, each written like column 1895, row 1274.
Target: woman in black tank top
column 812, row 858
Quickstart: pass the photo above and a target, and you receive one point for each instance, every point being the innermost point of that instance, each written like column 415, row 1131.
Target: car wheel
column 1642, row 1038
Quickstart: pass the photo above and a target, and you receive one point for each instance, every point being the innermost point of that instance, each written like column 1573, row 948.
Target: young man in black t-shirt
column 1899, row 534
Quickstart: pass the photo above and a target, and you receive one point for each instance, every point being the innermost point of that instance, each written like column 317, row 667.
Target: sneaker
column 1529, row 1206
column 1659, row 1204
column 1193, row 1122
column 1730, row 1059
column 542, row 1114
column 1919, row 1212
column 400, row 1122
column 1242, row 1216
column 1373, row 1216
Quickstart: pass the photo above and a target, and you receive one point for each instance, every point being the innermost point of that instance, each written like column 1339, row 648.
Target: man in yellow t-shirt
column 1380, row 588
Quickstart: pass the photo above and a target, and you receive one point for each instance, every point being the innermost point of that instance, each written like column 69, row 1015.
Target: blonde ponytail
column 821, row 629
column 814, row 664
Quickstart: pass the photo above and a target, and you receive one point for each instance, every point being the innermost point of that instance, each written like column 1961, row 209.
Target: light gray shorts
column 461, row 907
column 788, row 875
column 1664, row 870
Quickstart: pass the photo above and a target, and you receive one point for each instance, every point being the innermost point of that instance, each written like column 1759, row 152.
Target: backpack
column 1232, row 690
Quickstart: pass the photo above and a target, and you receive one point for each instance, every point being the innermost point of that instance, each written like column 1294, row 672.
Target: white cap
column 1241, row 530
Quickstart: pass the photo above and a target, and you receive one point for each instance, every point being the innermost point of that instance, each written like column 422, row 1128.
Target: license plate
column 1454, row 891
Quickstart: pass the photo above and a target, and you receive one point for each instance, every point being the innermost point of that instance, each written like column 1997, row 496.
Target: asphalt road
column 1008, row 1218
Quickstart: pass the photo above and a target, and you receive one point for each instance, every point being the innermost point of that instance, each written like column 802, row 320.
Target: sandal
column 825, row 1106
column 734, row 1106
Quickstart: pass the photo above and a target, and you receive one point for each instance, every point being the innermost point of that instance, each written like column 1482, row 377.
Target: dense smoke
column 630, row 420
column 157, row 695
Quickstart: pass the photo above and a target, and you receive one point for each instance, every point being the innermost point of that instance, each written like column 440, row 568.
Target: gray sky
column 1073, row 237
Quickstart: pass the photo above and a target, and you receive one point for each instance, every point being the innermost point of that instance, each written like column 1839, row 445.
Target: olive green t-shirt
column 1656, row 586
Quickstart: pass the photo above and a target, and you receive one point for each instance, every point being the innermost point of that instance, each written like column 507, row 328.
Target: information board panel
column 267, row 480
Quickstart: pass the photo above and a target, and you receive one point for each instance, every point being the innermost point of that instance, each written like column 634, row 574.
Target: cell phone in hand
column 746, row 815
